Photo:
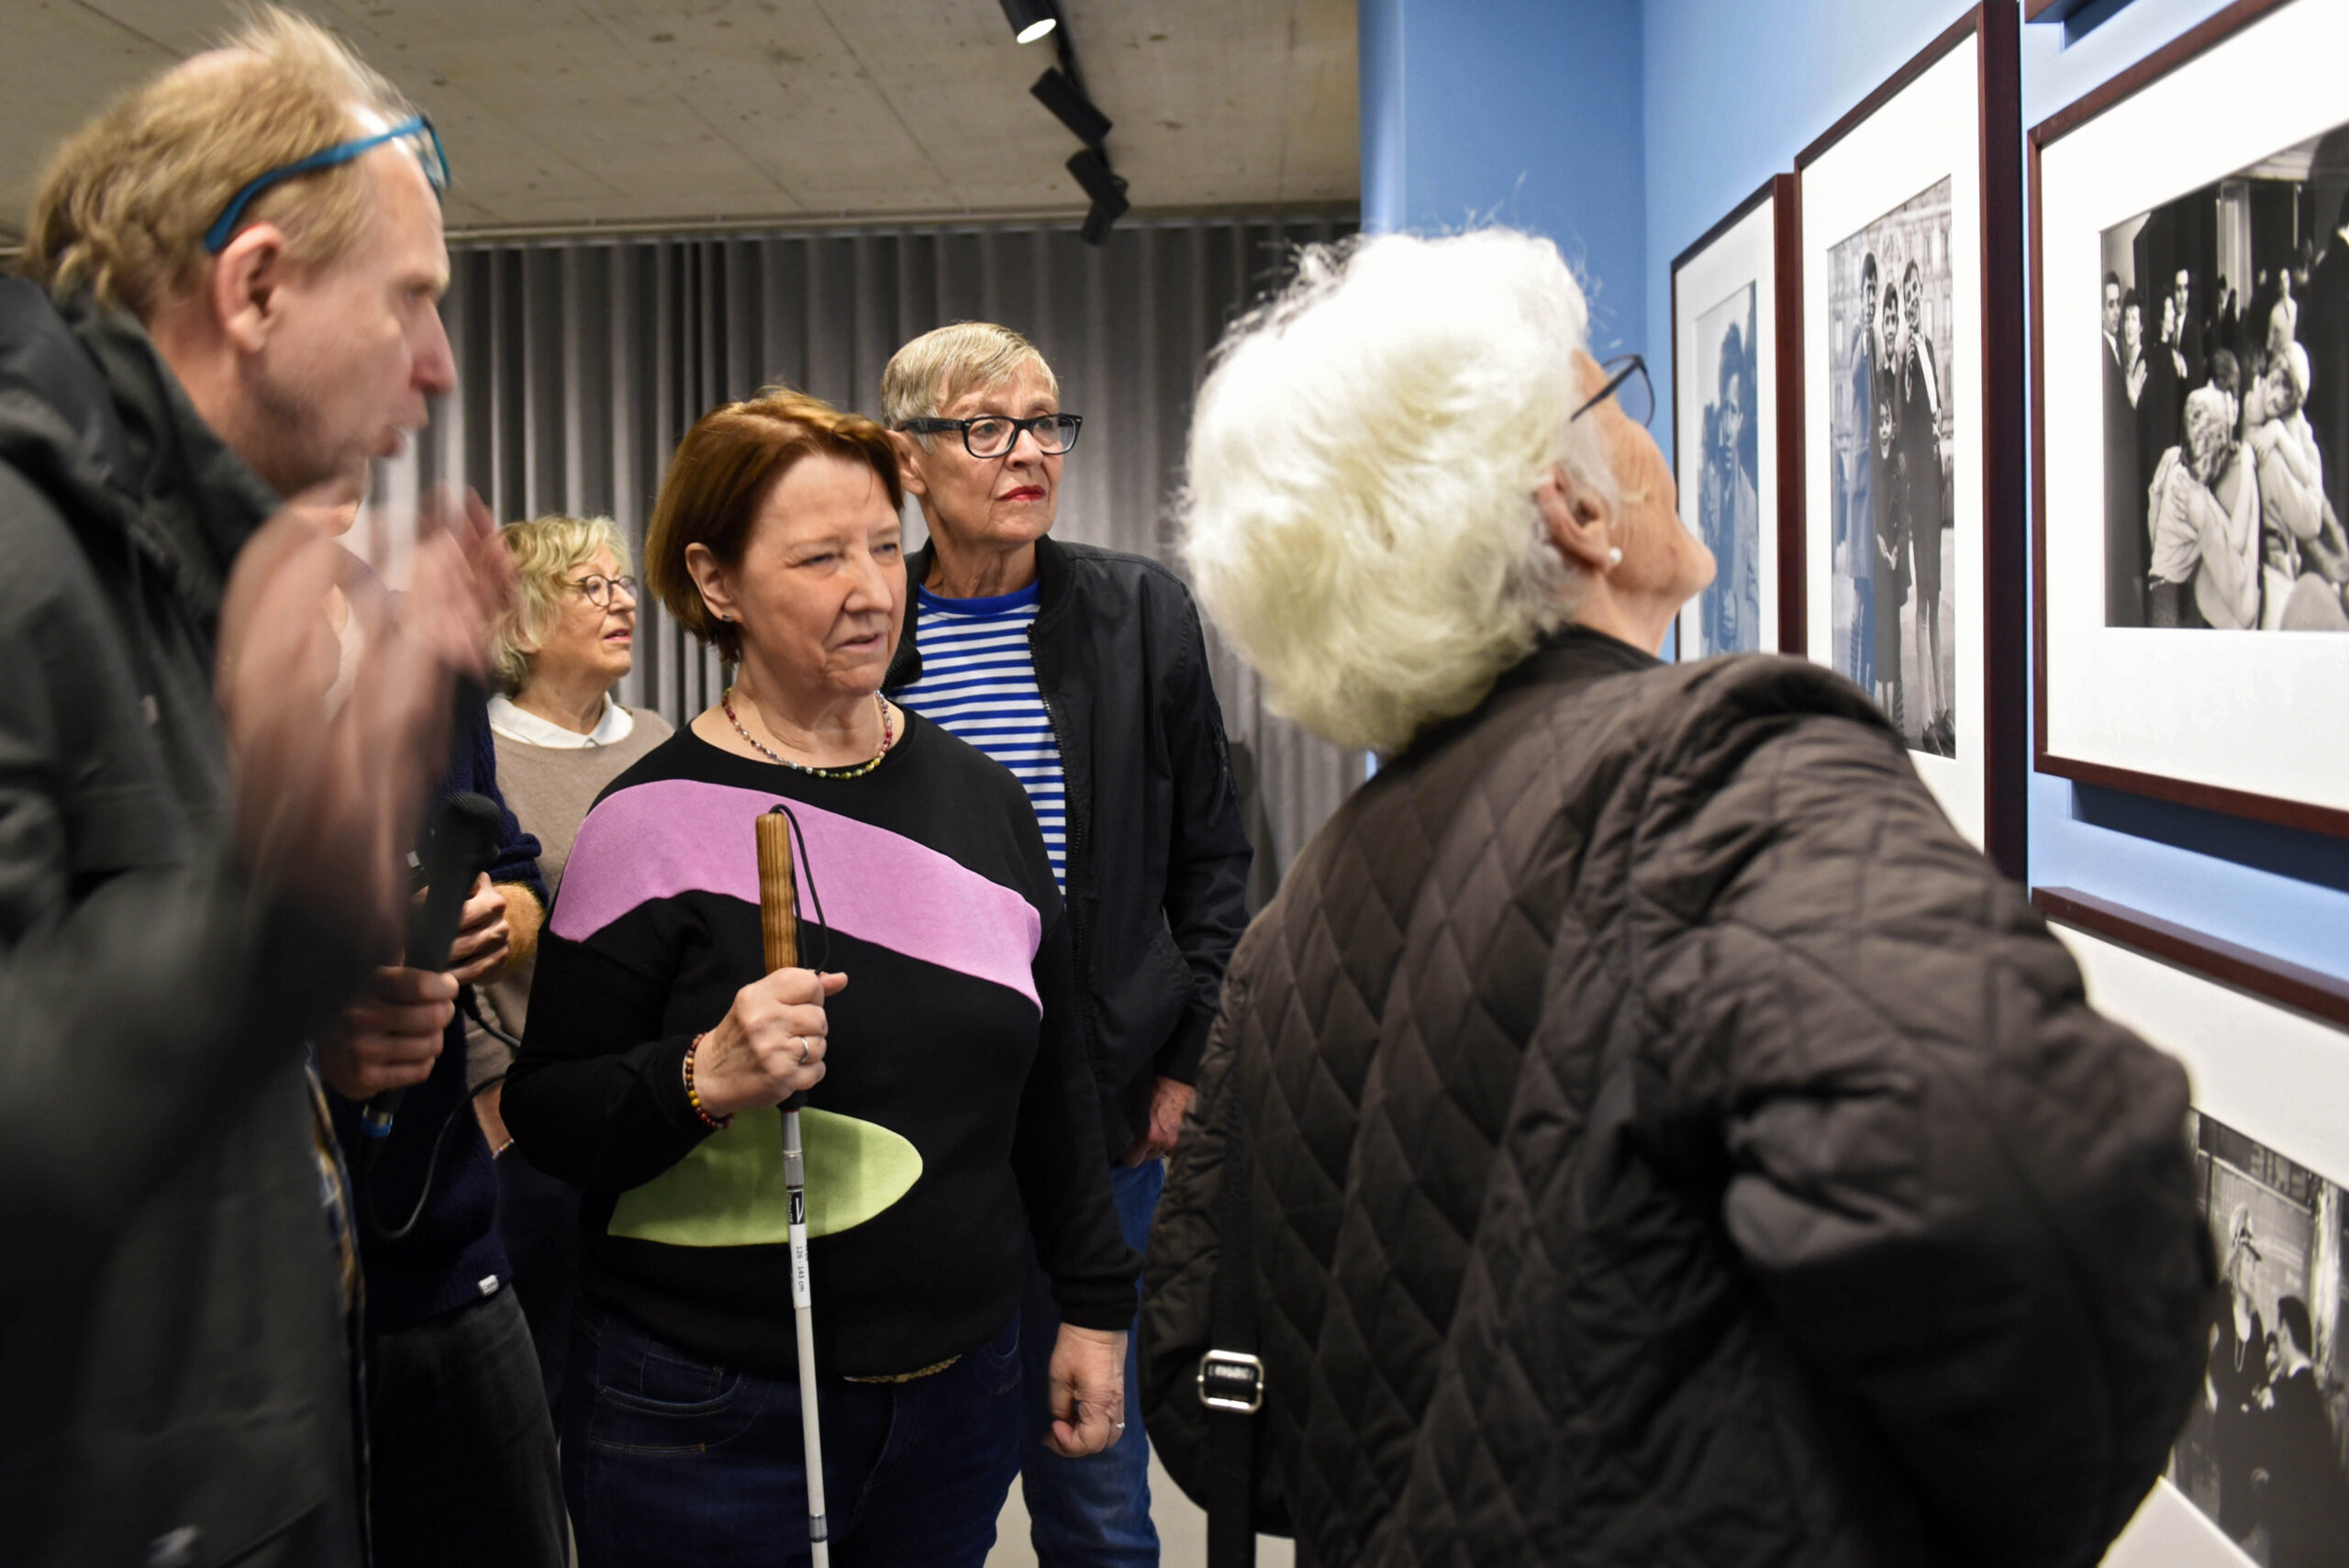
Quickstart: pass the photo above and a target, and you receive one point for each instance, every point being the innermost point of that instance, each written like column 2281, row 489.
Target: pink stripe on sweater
column 657, row 841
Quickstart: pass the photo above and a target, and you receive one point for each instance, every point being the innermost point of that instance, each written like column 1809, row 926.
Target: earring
column 1614, row 555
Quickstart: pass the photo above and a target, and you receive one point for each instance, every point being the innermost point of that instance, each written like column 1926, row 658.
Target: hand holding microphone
column 484, row 934
column 381, row 1050
column 390, row 1037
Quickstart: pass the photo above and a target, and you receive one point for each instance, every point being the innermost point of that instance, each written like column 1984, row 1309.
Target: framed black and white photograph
column 2257, row 1475
column 2261, row 1455
column 1891, row 358
column 1728, row 291
column 1911, row 473
column 2190, row 348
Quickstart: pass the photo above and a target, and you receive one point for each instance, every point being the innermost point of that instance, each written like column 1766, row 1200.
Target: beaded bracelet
column 693, row 1096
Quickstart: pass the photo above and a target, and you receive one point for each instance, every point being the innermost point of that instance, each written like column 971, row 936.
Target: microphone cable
column 469, row 1006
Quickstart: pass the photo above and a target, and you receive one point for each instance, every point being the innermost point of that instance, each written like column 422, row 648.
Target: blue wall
column 1626, row 131
column 1523, row 112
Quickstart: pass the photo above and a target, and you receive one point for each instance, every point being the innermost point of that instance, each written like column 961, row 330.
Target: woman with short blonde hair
column 1644, row 1127
column 943, row 364
column 566, row 638
column 1085, row 673
column 546, row 552
column 564, row 642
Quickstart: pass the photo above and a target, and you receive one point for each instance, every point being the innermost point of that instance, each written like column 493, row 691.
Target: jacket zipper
column 1060, row 732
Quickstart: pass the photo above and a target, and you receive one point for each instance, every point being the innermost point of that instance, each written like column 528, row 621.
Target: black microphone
column 465, row 845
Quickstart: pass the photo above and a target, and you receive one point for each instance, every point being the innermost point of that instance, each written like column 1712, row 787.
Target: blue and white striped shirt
column 978, row 682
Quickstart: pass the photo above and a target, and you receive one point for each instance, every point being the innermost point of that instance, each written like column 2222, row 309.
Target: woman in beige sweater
column 565, row 642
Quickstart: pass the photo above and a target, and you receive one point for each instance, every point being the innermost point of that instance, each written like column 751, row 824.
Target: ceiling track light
column 1059, row 92
column 1095, row 229
column 1107, row 191
column 1062, row 89
column 1030, row 19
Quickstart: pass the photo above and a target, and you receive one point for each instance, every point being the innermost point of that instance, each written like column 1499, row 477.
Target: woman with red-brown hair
column 953, row 1117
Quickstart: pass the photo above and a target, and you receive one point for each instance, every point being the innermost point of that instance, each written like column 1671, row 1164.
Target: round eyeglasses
column 1628, row 385
column 601, row 591
column 992, row 435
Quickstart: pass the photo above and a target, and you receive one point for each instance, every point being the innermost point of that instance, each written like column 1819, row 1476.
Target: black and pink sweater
column 956, row 1120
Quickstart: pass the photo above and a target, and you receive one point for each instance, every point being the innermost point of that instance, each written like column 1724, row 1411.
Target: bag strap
column 1231, row 1378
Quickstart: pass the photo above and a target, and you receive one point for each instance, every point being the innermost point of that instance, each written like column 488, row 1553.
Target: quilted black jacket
column 1672, row 1144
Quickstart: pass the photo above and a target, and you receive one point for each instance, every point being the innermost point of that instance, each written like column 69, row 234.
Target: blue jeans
column 669, row 1462
column 1094, row 1510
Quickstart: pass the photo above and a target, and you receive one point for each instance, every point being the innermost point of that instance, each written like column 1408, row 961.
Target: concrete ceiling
column 577, row 114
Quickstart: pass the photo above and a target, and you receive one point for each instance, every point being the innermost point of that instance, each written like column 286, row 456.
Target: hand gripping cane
column 779, row 925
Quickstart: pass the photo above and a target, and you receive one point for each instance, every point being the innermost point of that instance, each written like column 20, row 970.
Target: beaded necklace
column 854, row 770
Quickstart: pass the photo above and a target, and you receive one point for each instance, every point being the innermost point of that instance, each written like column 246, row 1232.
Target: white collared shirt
column 515, row 724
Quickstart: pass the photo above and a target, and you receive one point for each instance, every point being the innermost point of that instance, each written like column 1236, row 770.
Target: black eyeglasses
column 599, row 590
column 427, row 152
column 1628, row 385
column 992, row 435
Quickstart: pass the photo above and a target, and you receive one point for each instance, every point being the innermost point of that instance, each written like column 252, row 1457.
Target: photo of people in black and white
column 1729, row 507
column 2262, row 1453
column 1895, row 579
column 2226, row 401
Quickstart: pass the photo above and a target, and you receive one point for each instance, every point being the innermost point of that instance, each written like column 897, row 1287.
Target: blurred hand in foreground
column 331, row 756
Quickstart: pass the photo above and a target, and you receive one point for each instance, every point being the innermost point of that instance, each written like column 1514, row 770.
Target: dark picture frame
column 1781, row 511
column 1998, row 620
column 2319, row 995
column 2053, row 10
column 2051, row 754
column 2260, row 1039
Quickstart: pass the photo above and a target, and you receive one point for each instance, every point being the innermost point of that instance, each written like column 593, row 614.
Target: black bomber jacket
column 1157, row 855
column 173, row 1380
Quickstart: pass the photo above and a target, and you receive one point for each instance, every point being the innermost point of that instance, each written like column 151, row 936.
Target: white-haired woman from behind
column 1664, row 1137
column 566, row 638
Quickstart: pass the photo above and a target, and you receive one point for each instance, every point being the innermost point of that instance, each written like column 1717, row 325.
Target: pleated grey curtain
column 581, row 363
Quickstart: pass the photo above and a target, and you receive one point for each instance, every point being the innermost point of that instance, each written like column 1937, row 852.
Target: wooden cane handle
column 778, row 910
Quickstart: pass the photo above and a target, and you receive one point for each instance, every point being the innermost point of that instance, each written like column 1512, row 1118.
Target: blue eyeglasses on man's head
column 427, row 152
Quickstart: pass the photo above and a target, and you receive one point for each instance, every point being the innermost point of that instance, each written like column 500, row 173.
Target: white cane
column 779, row 925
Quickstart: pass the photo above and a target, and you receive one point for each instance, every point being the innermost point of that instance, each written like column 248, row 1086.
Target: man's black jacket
column 172, row 1379
column 1157, row 856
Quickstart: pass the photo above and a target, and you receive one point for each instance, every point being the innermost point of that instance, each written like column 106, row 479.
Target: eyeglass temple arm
column 1603, row 393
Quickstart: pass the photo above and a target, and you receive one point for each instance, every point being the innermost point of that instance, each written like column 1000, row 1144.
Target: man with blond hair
column 1085, row 673
column 206, row 797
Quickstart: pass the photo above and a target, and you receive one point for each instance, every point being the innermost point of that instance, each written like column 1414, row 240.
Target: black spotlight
column 1029, row 20
column 1107, row 191
column 1069, row 105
